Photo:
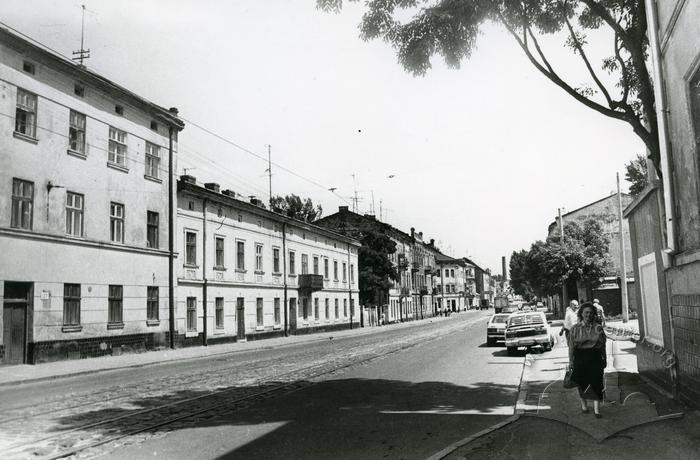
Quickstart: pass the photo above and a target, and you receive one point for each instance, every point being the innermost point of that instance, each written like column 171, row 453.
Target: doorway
column 240, row 319
column 15, row 316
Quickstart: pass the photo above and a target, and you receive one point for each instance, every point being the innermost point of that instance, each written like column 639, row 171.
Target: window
column 352, row 307
column 219, row 250
column 25, row 114
column 119, row 109
column 335, row 270
column 328, row 308
column 219, row 308
column 116, row 222
column 152, row 229
column 337, row 311
column 325, row 268
column 447, row 273
column 28, row 67
column 293, row 306
column 452, row 273
column 152, row 160
column 79, row 90
column 22, row 204
column 115, row 304
column 71, row 304
column 190, row 248
column 304, row 264
column 74, row 214
column 345, row 308
column 76, row 132
column 305, row 307
column 154, row 126
column 316, row 312
column 345, row 272
column 292, row 263
column 191, row 314
column 315, row 265
column 276, row 260
column 152, row 308
column 258, row 257
column 277, row 311
column 352, row 273
column 117, row 146
column 240, row 255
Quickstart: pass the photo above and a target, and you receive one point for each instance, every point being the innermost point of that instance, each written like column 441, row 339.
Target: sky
column 479, row 158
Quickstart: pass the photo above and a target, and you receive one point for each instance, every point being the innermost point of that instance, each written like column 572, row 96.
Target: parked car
column 527, row 329
column 496, row 328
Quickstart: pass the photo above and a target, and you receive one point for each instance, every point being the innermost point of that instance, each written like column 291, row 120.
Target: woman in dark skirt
column 588, row 357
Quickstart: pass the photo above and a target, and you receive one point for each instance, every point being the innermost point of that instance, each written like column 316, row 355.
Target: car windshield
column 499, row 319
column 526, row 319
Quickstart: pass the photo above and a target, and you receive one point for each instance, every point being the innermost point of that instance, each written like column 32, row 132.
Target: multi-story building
column 246, row 273
column 84, row 210
column 451, row 283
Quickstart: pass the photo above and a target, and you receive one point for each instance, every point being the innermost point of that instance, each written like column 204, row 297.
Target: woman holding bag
column 588, row 357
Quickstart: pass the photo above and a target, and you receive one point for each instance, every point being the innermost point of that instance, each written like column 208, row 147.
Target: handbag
column 568, row 380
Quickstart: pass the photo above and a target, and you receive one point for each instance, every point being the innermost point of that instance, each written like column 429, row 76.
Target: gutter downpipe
column 204, row 272
column 171, row 243
column 349, row 278
column 284, row 276
column 659, row 95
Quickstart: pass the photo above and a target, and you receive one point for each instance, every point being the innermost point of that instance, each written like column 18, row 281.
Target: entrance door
column 14, row 316
column 293, row 313
column 240, row 319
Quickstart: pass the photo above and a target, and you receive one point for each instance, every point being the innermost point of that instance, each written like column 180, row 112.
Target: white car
column 527, row 329
column 496, row 328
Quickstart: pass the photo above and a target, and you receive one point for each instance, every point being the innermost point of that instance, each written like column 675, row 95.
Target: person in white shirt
column 570, row 318
column 601, row 312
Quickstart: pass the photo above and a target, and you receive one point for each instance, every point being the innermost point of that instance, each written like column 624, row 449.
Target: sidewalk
column 26, row 373
column 637, row 421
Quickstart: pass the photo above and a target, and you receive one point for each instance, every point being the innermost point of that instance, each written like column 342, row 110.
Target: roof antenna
column 82, row 53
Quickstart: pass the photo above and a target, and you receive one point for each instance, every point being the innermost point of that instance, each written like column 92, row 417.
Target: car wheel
column 512, row 350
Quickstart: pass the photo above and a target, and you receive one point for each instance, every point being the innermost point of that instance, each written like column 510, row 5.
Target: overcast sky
column 481, row 157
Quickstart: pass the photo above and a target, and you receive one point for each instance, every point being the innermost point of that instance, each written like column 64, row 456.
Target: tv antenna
column 82, row 54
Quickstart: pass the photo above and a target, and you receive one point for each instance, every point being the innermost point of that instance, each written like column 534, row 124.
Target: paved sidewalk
column 25, row 373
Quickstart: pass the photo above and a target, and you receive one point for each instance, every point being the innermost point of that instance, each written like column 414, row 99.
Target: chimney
column 230, row 193
column 370, row 216
column 420, row 235
column 173, row 110
column 213, row 186
column 503, row 266
column 188, row 179
column 413, row 232
column 343, row 209
column 432, row 242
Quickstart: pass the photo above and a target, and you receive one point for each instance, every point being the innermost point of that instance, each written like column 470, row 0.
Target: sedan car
column 496, row 328
column 527, row 329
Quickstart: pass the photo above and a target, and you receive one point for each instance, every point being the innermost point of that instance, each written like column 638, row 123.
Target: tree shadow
column 319, row 419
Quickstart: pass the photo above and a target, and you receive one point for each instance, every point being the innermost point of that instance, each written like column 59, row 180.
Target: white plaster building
column 83, row 210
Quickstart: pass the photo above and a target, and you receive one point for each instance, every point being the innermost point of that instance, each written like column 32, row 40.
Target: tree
column 296, row 208
column 450, row 28
column 636, row 174
column 520, row 276
column 375, row 270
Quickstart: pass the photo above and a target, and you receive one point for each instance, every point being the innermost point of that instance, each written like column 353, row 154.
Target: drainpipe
column 284, row 276
column 661, row 115
column 349, row 271
column 171, row 243
column 204, row 270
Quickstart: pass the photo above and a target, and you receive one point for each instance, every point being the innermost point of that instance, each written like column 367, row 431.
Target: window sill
column 220, row 269
column 259, row 328
column 276, row 273
column 118, row 167
column 277, row 327
column 115, row 325
column 24, row 137
column 152, row 322
column 153, row 179
column 240, row 270
column 259, row 272
column 292, row 275
column 75, row 153
column 190, row 266
column 73, row 328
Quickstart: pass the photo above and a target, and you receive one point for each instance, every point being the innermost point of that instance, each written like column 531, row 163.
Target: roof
column 443, row 259
column 203, row 192
column 35, row 50
column 373, row 220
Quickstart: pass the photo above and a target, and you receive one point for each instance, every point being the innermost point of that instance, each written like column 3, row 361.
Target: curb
column 451, row 448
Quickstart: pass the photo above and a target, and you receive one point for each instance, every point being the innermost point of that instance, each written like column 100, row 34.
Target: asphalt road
column 399, row 392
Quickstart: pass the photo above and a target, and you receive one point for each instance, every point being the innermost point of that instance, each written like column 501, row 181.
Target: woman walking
column 587, row 357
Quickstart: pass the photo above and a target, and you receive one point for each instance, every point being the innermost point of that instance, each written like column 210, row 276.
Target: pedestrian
column 601, row 312
column 587, row 356
column 570, row 318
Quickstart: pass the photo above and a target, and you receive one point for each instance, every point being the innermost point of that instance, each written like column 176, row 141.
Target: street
column 403, row 391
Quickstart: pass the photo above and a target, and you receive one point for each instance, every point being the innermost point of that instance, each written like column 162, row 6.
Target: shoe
column 585, row 411
column 598, row 416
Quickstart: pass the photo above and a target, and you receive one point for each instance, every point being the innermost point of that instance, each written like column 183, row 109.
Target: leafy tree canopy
column 296, row 208
column 636, row 174
column 451, row 29
column 375, row 269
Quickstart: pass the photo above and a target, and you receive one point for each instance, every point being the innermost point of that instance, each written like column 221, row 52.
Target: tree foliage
column 293, row 206
column 581, row 256
column 636, row 174
column 375, row 270
column 450, row 29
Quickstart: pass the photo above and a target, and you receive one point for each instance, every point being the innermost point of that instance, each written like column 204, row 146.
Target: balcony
column 424, row 291
column 405, row 292
column 310, row 283
column 415, row 266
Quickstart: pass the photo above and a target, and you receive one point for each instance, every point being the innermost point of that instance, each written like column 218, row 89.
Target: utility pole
column 81, row 54
column 354, row 200
column 269, row 171
column 623, row 267
column 373, row 208
column 563, row 281
column 381, row 218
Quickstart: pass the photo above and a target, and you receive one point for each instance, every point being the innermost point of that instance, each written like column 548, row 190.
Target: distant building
column 452, row 282
column 246, row 273
column 83, row 210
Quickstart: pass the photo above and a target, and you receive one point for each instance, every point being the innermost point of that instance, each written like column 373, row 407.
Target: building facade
column 451, row 283
column 84, row 193
column 246, row 273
